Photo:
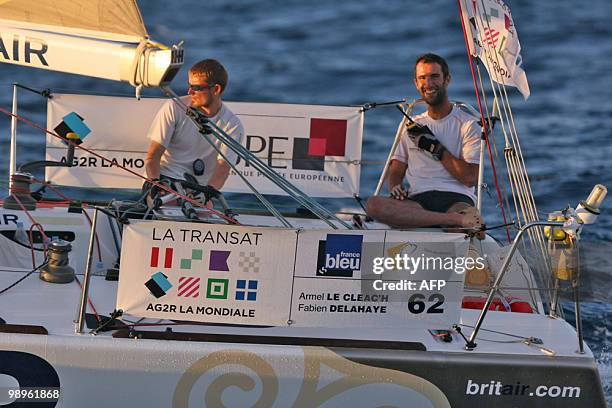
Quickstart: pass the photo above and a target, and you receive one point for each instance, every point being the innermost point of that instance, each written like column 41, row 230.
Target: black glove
column 424, row 139
column 150, row 188
column 150, row 193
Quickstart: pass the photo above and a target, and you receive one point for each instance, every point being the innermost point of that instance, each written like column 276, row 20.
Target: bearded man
column 440, row 168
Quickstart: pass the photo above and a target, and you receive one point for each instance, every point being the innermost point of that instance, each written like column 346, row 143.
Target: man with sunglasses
column 176, row 145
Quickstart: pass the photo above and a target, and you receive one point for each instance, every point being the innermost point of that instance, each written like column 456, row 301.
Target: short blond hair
column 212, row 70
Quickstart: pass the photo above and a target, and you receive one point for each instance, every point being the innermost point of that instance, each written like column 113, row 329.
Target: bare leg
column 408, row 213
column 458, row 207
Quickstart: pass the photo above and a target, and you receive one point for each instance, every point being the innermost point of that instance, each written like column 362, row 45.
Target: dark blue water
column 348, row 53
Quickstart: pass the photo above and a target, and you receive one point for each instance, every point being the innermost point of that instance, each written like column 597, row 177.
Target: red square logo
column 316, row 147
column 327, row 136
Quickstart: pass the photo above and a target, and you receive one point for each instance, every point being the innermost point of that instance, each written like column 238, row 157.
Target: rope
column 93, row 308
column 23, row 277
column 33, row 223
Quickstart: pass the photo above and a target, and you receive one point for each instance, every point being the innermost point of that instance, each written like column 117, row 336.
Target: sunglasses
column 198, row 88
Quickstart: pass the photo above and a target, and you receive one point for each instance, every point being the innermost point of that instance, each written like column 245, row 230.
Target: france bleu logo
column 339, row 255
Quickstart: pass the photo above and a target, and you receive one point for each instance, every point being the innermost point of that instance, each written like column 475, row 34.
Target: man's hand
column 151, row 189
column 424, row 139
column 398, row 192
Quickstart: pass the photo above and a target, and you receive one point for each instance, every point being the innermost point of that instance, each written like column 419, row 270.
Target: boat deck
column 55, row 307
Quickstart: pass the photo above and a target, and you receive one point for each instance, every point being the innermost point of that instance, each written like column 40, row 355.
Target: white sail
column 99, row 38
column 117, row 20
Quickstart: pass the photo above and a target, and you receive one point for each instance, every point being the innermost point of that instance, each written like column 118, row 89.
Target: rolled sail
column 99, row 38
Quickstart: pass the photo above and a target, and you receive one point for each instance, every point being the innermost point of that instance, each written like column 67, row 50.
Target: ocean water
column 350, row 53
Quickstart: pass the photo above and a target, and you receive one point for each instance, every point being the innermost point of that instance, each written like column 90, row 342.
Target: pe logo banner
column 339, row 255
column 327, row 138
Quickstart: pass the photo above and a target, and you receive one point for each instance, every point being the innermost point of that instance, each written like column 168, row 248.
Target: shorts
column 440, row 201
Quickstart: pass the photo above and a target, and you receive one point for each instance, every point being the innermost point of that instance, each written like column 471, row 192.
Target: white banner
column 336, row 285
column 206, row 272
column 495, row 42
column 274, row 276
column 317, row 148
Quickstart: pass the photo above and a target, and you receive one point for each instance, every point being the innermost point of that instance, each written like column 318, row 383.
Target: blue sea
column 350, row 53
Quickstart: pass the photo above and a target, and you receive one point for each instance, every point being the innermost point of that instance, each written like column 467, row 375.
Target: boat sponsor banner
column 317, row 148
column 378, row 279
column 274, row 276
column 494, row 40
column 206, row 273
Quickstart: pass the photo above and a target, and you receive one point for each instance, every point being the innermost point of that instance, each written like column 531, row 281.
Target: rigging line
column 96, row 235
column 268, row 205
column 496, row 100
column 536, row 240
column 507, row 117
column 520, row 154
column 492, row 139
column 52, row 187
column 93, row 308
column 492, row 134
column 493, row 78
column 518, row 168
column 511, row 127
column 34, row 223
column 160, row 185
column 18, row 281
column 524, row 180
column 257, row 194
column 485, row 130
column 532, row 213
column 280, row 181
column 511, row 176
column 72, row 201
column 499, row 79
column 225, row 139
column 521, row 194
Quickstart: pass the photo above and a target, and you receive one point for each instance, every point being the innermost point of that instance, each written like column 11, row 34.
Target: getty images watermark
column 426, row 267
column 420, row 270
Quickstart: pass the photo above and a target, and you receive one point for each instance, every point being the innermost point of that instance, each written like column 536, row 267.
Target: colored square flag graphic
column 218, row 261
column 217, row 288
column 156, row 257
column 189, row 287
column 248, row 262
column 246, row 290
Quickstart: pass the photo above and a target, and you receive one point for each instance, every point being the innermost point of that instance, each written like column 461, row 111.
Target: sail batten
column 109, row 19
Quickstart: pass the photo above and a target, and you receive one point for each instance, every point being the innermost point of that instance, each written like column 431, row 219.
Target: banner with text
column 207, row 273
column 317, row 148
column 367, row 279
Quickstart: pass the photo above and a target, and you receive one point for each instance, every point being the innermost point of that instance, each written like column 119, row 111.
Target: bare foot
column 468, row 218
column 473, row 220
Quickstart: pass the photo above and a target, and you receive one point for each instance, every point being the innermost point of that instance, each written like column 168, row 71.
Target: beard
column 435, row 99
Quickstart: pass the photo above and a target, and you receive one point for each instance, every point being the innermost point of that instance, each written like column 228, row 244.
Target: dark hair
column 212, row 70
column 431, row 58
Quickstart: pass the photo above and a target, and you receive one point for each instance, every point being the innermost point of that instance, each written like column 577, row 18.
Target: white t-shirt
column 459, row 133
column 179, row 135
